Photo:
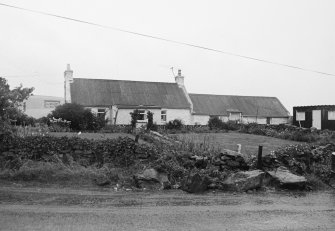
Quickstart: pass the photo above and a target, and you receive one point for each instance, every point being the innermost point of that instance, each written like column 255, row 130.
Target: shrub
column 215, row 123
column 135, row 115
column 150, row 124
column 232, row 125
column 176, row 124
column 81, row 118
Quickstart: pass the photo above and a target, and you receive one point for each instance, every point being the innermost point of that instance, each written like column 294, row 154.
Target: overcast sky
column 34, row 49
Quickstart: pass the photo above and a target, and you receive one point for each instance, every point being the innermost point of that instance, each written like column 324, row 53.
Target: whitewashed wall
column 200, row 119
column 278, row 120
column 123, row 115
column 183, row 114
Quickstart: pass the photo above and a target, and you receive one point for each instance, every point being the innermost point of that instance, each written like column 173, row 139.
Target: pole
column 259, row 160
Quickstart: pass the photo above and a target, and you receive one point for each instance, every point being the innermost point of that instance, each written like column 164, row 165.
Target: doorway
column 316, row 119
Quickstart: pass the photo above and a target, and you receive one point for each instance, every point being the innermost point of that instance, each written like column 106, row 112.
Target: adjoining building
column 318, row 116
column 115, row 99
column 38, row 106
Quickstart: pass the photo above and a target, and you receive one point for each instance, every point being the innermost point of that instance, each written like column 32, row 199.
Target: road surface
column 51, row 208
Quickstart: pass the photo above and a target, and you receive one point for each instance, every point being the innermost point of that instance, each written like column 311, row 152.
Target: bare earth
column 51, row 208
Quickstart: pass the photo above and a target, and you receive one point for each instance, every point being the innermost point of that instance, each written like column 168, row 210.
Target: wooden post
column 239, row 147
column 259, row 160
column 136, row 138
column 333, row 163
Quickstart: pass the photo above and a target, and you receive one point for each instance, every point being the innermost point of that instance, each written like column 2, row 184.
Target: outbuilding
column 318, row 116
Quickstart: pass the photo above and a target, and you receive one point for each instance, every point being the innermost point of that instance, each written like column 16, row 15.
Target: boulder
column 151, row 178
column 244, row 181
column 195, row 183
column 285, row 179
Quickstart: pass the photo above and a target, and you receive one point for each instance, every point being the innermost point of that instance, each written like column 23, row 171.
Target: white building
column 38, row 106
column 116, row 99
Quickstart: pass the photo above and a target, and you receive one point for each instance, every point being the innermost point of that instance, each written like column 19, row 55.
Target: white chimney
column 68, row 79
column 179, row 79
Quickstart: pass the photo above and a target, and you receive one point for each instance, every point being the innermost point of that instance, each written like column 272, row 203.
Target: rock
column 270, row 162
column 285, row 179
column 232, row 160
column 244, row 181
column 151, row 178
column 195, row 183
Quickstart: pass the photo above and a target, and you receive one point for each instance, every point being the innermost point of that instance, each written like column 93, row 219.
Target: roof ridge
column 127, row 80
column 232, row 95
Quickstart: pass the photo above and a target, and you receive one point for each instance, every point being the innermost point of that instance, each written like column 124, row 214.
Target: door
column 316, row 117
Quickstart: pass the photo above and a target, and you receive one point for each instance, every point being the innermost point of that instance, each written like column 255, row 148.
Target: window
column 163, row 115
column 101, row 113
column 142, row 115
column 331, row 115
column 235, row 116
column 300, row 116
column 51, row 103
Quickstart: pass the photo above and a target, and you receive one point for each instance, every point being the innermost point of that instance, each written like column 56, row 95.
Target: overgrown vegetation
column 80, row 118
column 10, row 102
column 48, row 159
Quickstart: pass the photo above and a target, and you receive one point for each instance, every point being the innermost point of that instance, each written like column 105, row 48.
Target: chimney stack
column 68, row 79
column 179, row 79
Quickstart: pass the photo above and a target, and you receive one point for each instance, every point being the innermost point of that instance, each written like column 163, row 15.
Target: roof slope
column 248, row 105
column 104, row 92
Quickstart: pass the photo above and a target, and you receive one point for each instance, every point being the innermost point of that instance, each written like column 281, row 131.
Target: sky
column 34, row 48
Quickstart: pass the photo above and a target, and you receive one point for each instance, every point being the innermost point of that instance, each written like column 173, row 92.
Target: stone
column 285, row 179
column 151, row 178
column 244, row 181
column 231, row 159
column 195, row 183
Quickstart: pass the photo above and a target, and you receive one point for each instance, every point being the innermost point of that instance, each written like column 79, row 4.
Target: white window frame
column 163, row 116
column 331, row 115
column 143, row 113
column 300, row 116
column 99, row 112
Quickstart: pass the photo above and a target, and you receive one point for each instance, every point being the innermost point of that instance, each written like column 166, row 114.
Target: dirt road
column 35, row 208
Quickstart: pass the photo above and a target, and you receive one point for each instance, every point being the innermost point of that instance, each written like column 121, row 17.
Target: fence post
column 239, row 147
column 259, row 159
column 136, row 138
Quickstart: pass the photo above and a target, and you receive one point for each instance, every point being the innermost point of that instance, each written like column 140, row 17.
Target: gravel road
column 48, row 208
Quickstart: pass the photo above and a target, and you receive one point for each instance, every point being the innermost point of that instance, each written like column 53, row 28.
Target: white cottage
column 116, row 99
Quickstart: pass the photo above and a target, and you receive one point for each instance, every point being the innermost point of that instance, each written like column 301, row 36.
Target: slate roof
column 105, row 92
column 249, row 105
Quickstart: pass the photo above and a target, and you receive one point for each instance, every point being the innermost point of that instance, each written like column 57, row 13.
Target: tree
column 10, row 100
column 81, row 118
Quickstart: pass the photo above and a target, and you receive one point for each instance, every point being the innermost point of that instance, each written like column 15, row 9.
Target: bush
column 82, row 119
column 214, row 123
column 174, row 124
column 151, row 125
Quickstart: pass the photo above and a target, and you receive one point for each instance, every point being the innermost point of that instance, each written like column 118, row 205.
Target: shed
column 318, row 116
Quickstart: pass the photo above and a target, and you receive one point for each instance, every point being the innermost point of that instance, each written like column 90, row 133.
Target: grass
column 95, row 136
column 230, row 140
